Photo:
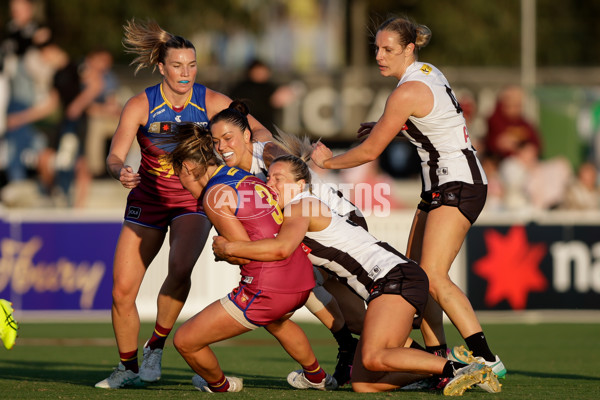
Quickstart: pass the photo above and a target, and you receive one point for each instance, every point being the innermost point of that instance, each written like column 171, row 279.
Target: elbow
column 371, row 156
column 282, row 253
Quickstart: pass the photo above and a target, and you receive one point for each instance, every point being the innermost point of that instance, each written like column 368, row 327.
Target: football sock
column 344, row 339
column 159, row 337
column 440, row 350
column 450, row 367
column 416, row 345
column 219, row 386
column 479, row 346
column 129, row 360
column 314, row 373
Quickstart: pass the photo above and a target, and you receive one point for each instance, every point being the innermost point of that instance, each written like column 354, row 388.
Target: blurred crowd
column 510, row 148
column 519, row 178
column 57, row 116
column 56, row 113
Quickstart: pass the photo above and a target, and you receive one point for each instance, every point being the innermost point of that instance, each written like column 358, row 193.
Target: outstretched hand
column 320, row 154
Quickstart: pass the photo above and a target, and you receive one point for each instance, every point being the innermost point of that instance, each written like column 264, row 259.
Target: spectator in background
column 514, row 145
column 530, row 183
column 475, row 123
column 103, row 113
column 25, row 74
column 263, row 97
column 476, row 127
column 507, row 127
column 4, row 96
column 495, row 194
column 62, row 162
column 583, row 192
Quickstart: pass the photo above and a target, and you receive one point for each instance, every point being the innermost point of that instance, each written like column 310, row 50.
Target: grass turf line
column 544, row 361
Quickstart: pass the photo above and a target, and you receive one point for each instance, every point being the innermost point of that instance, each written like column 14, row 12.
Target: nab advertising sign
column 533, row 267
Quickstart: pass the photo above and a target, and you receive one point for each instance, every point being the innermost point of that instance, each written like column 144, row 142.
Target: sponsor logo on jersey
column 178, row 118
column 247, row 279
column 374, row 289
column 305, row 248
column 158, row 113
column 441, row 171
column 426, row 69
column 374, row 271
column 435, row 198
column 349, row 221
column 160, row 127
column 134, row 212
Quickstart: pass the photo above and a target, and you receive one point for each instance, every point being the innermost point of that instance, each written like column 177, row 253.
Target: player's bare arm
column 291, row 234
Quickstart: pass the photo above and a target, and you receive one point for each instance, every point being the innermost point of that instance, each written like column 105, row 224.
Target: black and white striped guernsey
column 351, row 253
column 441, row 137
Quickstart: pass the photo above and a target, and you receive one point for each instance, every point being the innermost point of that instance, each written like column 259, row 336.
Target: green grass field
column 65, row 360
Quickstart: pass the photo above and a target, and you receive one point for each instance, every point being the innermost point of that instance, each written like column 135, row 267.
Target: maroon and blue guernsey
column 258, row 211
column 157, row 176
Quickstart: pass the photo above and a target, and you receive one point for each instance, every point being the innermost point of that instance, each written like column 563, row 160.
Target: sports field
column 65, row 360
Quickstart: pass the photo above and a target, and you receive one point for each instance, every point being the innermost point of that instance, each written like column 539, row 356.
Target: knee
column 371, row 359
column 363, row 387
column 123, row 295
column 180, row 271
column 181, row 342
column 438, row 285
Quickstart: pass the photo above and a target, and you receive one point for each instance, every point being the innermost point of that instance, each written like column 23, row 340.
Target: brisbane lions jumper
column 160, row 188
column 259, row 213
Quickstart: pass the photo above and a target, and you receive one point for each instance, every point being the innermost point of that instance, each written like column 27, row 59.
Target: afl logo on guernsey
column 426, row 69
column 178, row 118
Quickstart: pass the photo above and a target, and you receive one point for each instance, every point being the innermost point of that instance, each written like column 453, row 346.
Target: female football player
column 424, row 108
column 394, row 287
column 157, row 202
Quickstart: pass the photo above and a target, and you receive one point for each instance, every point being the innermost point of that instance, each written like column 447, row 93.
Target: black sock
column 440, row 350
column 450, row 367
column 479, row 346
column 416, row 345
column 344, row 339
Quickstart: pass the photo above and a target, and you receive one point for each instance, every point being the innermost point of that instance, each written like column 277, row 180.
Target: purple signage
column 57, row 265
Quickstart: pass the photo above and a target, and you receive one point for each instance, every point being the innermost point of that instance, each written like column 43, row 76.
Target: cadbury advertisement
column 57, row 265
